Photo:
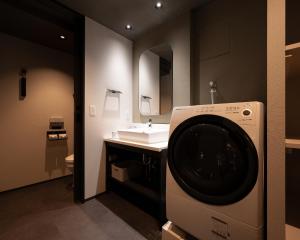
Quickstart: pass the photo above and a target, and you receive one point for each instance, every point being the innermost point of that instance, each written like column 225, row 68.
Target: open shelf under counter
column 292, row 143
column 147, row 188
column 147, row 192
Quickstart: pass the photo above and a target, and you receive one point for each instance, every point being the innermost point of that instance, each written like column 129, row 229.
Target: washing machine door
column 213, row 159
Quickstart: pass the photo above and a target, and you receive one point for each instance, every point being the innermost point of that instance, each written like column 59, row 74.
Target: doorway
column 44, row 62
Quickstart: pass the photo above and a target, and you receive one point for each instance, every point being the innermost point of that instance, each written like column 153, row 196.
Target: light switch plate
column 92, row 110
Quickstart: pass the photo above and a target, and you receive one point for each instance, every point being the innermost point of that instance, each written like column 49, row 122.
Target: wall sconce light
column 22, row 84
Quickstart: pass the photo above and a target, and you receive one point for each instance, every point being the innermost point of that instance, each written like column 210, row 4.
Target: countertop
column 157, row 147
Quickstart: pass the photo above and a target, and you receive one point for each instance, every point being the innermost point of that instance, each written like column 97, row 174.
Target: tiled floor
column 147, row 225
column 47, row 212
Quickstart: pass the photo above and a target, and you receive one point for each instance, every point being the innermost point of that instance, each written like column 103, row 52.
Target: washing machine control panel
column 241, row 111
column 246, row 114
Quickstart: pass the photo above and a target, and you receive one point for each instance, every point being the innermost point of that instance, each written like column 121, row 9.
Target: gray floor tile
column 47, row 212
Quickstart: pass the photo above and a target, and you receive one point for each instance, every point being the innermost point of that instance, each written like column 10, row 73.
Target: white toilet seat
column 70, row 159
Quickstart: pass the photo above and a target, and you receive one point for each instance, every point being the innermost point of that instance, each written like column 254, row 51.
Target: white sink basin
column 144, row 135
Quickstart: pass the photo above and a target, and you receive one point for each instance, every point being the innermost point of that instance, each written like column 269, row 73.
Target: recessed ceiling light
column 62, row 37
column 128, row 27
column 158, row 5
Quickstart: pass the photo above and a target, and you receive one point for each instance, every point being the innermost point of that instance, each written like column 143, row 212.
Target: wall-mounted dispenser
column 146, row 97
column 22, row 84
column 57, row 129
column 112, row 91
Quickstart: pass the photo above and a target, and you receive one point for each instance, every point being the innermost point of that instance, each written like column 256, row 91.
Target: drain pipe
column 213, row 90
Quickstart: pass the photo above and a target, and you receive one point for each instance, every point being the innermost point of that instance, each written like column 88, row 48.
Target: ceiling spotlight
column 62, row 37
column 128, row 27
column 158, row 5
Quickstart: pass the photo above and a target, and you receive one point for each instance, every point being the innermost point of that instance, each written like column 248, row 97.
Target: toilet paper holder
column 56, row 129
column 55, row 135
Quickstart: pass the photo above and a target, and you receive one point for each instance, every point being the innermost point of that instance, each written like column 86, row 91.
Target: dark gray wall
column 229, row 47
column 292, row 187
column 292, row 70
column 292, row 108
column 292, row 131
column 292, row 21
column 292, row 113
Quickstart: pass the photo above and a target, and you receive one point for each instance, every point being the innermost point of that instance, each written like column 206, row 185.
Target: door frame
column 275, row 174
column 75, row 22
column 79, row 96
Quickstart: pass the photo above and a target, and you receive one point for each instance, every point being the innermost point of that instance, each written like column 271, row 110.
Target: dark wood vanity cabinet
column 144, row 183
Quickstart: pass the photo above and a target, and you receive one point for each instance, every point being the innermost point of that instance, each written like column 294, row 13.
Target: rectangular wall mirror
column 156, row 81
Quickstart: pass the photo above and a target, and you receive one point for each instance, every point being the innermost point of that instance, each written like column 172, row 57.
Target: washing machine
column 215, row 180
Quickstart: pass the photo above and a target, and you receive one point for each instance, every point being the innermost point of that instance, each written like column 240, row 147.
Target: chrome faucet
column 213, row 90
column 149, row 123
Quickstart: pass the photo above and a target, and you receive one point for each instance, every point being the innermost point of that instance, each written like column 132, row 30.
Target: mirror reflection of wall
column 156, row 81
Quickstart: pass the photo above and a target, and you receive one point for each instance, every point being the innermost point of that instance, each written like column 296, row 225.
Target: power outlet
column 92, row 110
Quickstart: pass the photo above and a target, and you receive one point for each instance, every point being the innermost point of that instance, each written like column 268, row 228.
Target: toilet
column 69, row 161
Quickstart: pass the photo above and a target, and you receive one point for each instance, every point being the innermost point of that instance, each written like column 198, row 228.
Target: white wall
column 149, row 79
column 108, row 64
column 26, row 157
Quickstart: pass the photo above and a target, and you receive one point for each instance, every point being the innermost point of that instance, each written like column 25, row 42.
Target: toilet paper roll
column 52, row 137
column 62, row 136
